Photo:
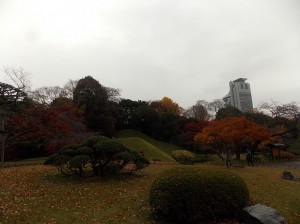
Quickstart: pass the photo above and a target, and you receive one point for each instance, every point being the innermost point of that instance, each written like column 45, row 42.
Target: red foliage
column 190, row 130
column 52, row 127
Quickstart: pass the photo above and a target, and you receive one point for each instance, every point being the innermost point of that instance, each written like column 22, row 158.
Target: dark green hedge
column 190, row 195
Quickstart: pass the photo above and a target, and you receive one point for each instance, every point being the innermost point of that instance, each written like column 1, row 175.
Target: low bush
column 183, row 156
column 190, row 195
column 104, row 156
column 202, row 158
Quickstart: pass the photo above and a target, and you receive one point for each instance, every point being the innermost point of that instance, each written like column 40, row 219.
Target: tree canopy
column 166, row 105
column 237, row 132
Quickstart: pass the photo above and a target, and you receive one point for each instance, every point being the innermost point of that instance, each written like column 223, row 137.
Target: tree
column 234, row 132
column 103, row 155
column 113, row 94
column 45, row 95
column 285, row 116
column 204, row 110
column 146, row 119
column 189, row 131
column 259, row 118
column 127, row 112
column 167, row 129
column 45, row 128
column 166, row 105
column 68, row 89
column 92, row 98
column 9, row 96
column 61, row 101
column 228, row 111
column 215, row 105
column 199, row 111
column 18, row 78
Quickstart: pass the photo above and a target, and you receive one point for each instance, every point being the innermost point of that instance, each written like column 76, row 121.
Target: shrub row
column 187, row 157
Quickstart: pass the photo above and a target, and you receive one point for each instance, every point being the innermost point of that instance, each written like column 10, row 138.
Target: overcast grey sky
column 186, row 50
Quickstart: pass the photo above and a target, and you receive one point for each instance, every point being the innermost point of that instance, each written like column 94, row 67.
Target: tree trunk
column 238, row 154
column 95, row 170
column 254, row 147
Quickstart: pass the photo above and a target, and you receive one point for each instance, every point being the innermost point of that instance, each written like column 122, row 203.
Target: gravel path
column 287, row 165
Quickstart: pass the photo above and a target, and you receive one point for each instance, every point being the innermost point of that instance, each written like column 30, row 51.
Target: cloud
column 150, row 49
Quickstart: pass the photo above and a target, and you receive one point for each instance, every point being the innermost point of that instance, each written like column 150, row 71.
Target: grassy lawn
column 39, row 194
column 25, row 162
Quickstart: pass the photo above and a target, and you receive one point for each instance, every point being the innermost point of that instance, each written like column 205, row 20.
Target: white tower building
column 239, row 95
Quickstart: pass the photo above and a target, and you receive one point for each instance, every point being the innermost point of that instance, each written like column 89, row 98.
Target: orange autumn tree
column 167, row 105
column 234, row 133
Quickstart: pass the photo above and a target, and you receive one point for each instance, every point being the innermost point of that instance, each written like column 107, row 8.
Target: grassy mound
column 163, row 146
column 150, row 151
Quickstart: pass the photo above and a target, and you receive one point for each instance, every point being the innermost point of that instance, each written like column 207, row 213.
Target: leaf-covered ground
column 39, row 194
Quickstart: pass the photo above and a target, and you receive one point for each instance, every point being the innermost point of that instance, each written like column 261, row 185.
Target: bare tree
column 113, row 94
column 199, row 111
column 204, row 110
column 215, row 105
column 68, row 89
column 18, row 78
column 45, row 95
column 281, row 113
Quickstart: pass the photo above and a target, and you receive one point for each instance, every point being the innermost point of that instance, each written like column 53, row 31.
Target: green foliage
column 109, row 148
column 91, row 141
column 78, row 161
column 168, row 126
column 295, row 146
column 146, row 119
column 103, row 155
column 61, row 101
column 84, row 150
column 228, row 111
column 92, row 97
column 187, row 195
column 183, row 156
column 127, row 112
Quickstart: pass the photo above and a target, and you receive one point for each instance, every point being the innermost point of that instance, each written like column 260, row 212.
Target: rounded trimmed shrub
column 183, row 156
column 101, row 155
column 190, row 195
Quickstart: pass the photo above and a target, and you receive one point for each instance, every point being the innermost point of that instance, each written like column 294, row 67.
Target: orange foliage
column 167, row 105
column 233, row 130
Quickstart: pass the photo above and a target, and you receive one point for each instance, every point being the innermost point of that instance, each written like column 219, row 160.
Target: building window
column 242, row 86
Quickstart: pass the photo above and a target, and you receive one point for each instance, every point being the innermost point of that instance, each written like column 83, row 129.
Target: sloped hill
column 150, row 151
column 163, row 146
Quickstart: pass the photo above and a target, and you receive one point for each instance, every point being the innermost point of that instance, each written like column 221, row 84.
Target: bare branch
column 18, row 78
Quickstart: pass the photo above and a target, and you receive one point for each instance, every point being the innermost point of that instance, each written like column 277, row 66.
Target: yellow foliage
column 167, row 105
